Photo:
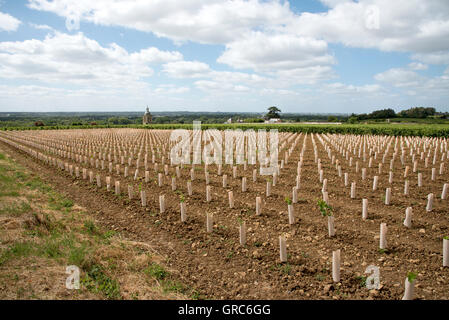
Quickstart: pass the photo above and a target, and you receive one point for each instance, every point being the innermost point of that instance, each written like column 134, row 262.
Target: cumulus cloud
column 221, row 87
column 416, row 26
column 399, row 77
column 41, row 26
column 340, row 88
column 186, row 69
column 418, row 66
column 404, row 25
column 412, row 82
column 275, row 50
column 285, row 56
column 8, row 22
column 170, row 89
column 439, row 57
column 211, row 21
column 263, row 52
column 78, row 59
column 333, row 3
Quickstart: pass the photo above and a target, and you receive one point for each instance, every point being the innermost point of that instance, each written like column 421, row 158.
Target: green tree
column 273, row 112
column 383, row 114
column 353, row 119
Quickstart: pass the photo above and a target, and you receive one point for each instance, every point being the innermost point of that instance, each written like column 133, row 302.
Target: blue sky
column 332, row 56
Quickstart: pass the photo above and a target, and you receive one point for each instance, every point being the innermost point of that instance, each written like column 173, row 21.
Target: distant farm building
column 273, row 120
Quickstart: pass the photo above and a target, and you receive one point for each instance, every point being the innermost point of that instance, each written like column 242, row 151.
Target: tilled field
column 216, row 263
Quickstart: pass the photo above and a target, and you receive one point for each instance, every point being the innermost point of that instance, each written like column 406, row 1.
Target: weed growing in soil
column 362, row 280
column 18, row 249
column 90, row 227
column 77, row 256
column 325, row 209
column 156, row 271
column 173, row 286
column 97, row 281
column 16, row 209
column 320, row 277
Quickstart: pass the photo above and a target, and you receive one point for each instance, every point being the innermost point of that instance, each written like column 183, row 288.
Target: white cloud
column 399, row 77
column 416, row 26
column 41, row 26
column 211, row 21
column 212, row 79
column 333, row 3
column 414, row 84
column 220, row 87
column 279, row 92
column 186, row 69
column 8, row 22
column 440, row 57
column 78, row 59
column 404, row 25
column 418, row 66
column 340, row 88
column 277, row 52
column 287, row 57
column 170, row 89
column 263, row 52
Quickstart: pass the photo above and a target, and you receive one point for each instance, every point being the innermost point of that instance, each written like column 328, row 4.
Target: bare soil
column 217, row 266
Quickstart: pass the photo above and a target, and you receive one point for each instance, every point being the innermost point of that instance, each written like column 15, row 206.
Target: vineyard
column 418, row 130
column 350, row 212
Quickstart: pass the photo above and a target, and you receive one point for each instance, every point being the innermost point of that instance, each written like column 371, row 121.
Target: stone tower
column 147, row 118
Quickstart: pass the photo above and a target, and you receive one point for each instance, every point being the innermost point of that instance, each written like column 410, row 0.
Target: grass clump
column 97, row 281
column 90, row 227
column 156, row 271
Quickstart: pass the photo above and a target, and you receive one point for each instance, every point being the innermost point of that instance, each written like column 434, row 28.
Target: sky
column 303, row 56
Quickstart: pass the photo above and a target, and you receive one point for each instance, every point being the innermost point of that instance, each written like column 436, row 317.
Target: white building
column 273, row 120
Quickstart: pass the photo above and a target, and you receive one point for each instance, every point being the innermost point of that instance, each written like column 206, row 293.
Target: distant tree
column 273, row 112
column 382, row 114
column 418, row 112
column 353, row 119
column 117, row 120
column 332, row 119
column 123, row 120
column 39, row 124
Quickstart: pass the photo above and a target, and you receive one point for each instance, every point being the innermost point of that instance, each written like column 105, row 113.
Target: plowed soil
column 219, row 267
